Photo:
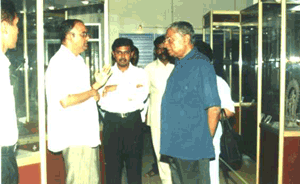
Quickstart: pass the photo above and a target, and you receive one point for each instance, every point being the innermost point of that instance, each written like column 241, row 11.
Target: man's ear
column 69, row 36
column 132, row 54
column 113, row 54
column 187, row 38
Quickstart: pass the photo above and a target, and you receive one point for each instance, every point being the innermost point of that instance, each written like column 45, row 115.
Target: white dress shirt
column 76, row 125
column 158, row 74
column 226, row 103
column 127, row 97
column 8, row 123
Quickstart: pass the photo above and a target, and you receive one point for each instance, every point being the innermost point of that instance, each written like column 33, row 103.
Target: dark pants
column 189, row 171
column 123, row 142
column 9, row 167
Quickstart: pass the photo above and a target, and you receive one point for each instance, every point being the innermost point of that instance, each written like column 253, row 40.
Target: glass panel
column 292, row 67
column 23, row 69
column 226, row 52
column 226, row 18
column 24, row 79
column 207, row 20
column 249, row 57
column 93, row 31
column 233, row 49
column 207, row 35
column 271, row 60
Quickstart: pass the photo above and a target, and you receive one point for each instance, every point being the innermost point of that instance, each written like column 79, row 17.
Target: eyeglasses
column 169, row 39
column 83, row 34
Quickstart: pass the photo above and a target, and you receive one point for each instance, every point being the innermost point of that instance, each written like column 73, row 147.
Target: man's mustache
column 123, row 59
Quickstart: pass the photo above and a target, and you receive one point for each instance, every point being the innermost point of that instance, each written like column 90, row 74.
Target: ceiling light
column 85, row 2
column 51, row 7
column 295, row 8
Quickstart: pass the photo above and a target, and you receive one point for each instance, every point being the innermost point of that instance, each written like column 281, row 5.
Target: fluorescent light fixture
column 85, row 2
column 51, row 7
column 294, row 59
column 295, row 8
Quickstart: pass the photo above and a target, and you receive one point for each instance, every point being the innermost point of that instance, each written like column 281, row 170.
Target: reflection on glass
column 27, row 111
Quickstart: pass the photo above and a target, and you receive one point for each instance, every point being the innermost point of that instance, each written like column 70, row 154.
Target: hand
column 102, row 77
column 108, row 89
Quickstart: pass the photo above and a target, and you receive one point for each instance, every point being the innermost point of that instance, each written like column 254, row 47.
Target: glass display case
column 271, row 49
column 38, row 41
column 220, row 31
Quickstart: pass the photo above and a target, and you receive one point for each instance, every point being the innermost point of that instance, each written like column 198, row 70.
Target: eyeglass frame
column 83, row 34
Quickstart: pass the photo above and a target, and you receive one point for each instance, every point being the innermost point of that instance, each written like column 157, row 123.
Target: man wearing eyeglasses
column 190, row 108
column 122, row 99
column 73, row 124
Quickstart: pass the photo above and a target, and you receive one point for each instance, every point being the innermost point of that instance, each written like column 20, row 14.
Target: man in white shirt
column 158, row 72
column 8, row 123
column 122, row 99
column 73, row 124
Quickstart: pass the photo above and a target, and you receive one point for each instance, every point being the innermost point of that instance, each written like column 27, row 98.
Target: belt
column 124, row 115
column 8, row 150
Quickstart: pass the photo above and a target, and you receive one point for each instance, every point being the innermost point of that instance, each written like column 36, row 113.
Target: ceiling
column 53, row 18
column 58, row 4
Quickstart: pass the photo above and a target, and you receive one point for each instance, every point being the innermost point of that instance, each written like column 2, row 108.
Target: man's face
column 175, row 43
column 13, row 31
column 80, row 37
column 162, row 53
column 123, row 55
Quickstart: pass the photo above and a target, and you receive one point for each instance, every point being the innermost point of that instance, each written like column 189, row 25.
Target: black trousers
column 123, row 142
column 9, row 168
column 189, row 172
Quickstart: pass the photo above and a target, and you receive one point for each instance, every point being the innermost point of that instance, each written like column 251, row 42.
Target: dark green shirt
column 191, row 89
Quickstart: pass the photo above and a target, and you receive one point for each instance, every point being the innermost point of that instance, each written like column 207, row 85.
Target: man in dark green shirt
column 190, row 107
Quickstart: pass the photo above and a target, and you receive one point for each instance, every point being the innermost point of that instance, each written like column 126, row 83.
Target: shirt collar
column 68, row 51
column 187, row 57
column 116, row 69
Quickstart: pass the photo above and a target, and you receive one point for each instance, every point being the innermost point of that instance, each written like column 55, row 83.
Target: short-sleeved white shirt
column 75, row 125
column 226, row 103
column 127, row 97
column 8, row 122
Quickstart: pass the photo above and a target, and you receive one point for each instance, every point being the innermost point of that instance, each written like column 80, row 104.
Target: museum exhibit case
column 272, row 50
column 222, row 30
column 38, row 41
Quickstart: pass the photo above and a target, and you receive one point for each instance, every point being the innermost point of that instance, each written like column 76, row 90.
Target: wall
column 154, row 16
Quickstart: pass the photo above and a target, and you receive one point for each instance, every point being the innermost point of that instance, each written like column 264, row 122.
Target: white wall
column 125, row 16
column 154, row 16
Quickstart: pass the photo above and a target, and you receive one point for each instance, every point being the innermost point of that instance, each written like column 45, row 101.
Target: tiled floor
column 245, row 175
